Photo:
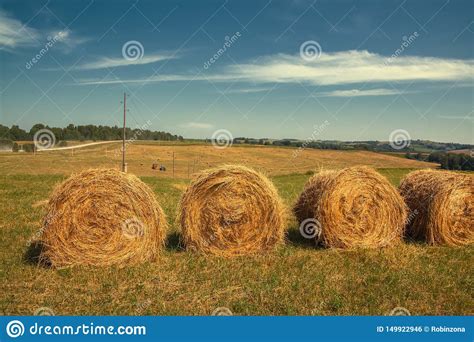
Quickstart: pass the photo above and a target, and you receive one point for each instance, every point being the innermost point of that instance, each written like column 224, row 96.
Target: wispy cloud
column 69, row 40
column 14, row 34
column 153, row 79
column 350, row 67
column 338, row 68
column 107, row 62
column 468, row 117
column 247, row 90
column 198, row 125
column 359, row 92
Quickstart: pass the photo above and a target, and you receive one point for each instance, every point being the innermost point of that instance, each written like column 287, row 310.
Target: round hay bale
column 441, row 207
column 102, row 217
column 351, row 208
column 231, row 210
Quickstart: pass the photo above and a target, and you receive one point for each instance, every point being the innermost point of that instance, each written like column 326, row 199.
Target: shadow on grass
column 33, row 255
column 173, row 242
column 420, row 242
column 294, row 237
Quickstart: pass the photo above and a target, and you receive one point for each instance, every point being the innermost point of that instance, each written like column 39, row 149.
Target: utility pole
column 124, row 165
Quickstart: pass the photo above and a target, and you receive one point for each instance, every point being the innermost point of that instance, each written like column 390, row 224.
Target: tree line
column 453, row 161
column 84, row 132
column 447, row 161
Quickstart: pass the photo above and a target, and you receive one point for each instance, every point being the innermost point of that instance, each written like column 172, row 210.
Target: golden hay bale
column 441, row 207
column 350, row 208
column 231, row 210
column 102, row 217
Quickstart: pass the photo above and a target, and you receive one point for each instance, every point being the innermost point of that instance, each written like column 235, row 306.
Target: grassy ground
column 297, row 279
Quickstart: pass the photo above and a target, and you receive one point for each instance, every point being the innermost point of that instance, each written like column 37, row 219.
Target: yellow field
column 192, row 158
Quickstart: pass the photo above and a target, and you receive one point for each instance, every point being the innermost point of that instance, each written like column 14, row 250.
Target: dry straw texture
column 355, row 207
column 441, row 207
column 102, row 217
column 231, row 210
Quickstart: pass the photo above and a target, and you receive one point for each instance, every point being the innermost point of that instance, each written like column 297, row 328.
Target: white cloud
column 68, row 39
column 468, row 117
column 155, row 79
column 106, row 62
column 13, row 33
column 359, row 92
column 247, row 90
column 350, row 67
column 338, row 68
column 198, row 125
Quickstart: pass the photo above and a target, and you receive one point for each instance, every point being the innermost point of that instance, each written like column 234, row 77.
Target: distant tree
column 28, row 147
column 16, row 133
column 36, row 128
column 4, row 132
column 6, row 144
column 452, row 161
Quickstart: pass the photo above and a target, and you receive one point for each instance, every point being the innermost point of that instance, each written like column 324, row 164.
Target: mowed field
column 190, row 158
column 296, row 279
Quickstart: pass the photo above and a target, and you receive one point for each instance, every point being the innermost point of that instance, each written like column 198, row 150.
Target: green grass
column 296, row 279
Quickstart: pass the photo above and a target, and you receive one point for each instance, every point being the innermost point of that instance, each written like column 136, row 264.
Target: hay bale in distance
column 354, row 207
column 102, row 217
column 231, row 210
column 441, row 207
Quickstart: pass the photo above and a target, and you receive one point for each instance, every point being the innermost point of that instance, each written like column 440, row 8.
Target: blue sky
column 280, row 68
